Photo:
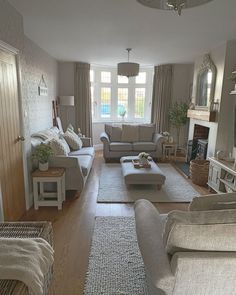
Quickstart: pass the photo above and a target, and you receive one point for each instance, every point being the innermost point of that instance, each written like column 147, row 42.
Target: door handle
column 20, row 138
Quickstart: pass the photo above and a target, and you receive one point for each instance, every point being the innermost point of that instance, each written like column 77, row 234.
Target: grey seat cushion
column 200, row 230
column 144, row 146
column 85, row 163
column 120, row 146
column 84, row 151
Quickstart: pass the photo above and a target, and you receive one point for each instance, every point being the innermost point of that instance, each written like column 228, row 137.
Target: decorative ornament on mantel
column 128, row 69
column 176, row 5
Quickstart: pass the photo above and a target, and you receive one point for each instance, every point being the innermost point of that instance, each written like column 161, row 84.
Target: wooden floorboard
column 73, row 228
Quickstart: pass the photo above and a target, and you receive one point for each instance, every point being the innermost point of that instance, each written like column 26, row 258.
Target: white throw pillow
column 73, row 140
column 58, row 146
column 64, row 142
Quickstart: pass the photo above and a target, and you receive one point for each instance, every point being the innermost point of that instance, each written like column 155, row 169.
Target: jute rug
column 115, row 263
column 112, row 188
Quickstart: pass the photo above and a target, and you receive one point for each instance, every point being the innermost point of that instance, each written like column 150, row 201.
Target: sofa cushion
column 59, row 147
column 120, row 146
column 116, row 132
column 200, row 231
column 89, row 151
column 130, row 133
column 73, row 140
column 146, row 132
column 85, row 164
column 144, row 146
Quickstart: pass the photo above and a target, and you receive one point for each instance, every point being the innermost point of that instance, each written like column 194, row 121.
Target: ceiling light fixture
column 176, row 5
column 128, row 69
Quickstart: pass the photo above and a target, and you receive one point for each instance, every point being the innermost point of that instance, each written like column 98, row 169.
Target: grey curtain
column 161, row 97
column 83, row 118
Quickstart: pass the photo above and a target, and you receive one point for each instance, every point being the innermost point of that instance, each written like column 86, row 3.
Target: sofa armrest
column 104, row 137
column 158, row 139
column 87, row 142
column 213, row 202
column 64, row 162
column 204, row 273
column 149, row 228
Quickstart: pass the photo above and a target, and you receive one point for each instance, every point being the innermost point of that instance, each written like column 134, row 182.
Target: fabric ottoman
column 132, row 175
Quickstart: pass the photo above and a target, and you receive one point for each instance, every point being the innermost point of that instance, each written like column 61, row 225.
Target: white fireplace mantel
column 212, row 134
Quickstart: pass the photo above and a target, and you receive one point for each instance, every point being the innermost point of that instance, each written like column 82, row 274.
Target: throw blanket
column 26, row 260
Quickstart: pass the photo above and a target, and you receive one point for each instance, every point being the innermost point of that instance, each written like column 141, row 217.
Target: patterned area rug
column 115, row 263
column 112, row 188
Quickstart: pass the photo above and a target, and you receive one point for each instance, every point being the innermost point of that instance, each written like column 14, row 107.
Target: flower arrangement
column 143, row 155
column 42, row 153
column 166, row 133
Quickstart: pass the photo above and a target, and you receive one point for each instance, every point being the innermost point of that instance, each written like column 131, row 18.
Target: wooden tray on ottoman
column 23, row 230
column 138, row 165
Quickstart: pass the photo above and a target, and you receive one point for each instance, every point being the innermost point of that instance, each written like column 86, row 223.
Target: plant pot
column 43, row 166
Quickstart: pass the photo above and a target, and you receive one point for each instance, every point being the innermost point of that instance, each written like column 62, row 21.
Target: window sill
column 121, row 122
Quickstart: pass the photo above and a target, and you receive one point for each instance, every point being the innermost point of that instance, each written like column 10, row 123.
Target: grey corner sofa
column 129, row 140
column 189, row 252
column 77, row 164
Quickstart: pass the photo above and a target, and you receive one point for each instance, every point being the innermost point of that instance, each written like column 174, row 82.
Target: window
column 105, row 102
column 139, row 103
column 122, row 109
column 91, row 76
column 123, row 80
column 118, row 98
column 106, row 77
column 141, row 78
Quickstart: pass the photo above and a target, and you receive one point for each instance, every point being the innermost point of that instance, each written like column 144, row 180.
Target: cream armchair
column 189, row 252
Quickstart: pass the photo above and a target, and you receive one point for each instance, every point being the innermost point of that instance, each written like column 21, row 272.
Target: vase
column 143, row 161
column 43, row 166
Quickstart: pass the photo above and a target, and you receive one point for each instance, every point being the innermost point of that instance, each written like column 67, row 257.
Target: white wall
column 181, row 91
column 225, row 135
column 34, row 62
column 218, row 57
column 221, row 135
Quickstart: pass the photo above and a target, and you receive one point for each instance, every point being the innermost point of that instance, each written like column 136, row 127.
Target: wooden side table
column 167, row 149
column 42, row 198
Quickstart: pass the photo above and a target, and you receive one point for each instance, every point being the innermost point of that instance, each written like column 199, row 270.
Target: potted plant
column 143, row 158
column 42, row 153
column 178, row 116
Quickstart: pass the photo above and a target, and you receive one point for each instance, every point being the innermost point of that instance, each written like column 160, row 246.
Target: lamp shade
column 66, row 100
column 128, row 69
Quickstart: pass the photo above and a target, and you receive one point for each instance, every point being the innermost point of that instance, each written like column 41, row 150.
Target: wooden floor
column 73, row 229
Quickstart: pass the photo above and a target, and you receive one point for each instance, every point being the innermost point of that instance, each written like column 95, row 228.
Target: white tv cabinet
column 222, row 176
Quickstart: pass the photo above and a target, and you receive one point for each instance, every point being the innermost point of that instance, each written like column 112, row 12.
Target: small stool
column 167, row 149
column 42, row 198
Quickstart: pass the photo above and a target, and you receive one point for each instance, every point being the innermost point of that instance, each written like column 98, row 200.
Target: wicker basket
column 199, row 170
column 25, row 230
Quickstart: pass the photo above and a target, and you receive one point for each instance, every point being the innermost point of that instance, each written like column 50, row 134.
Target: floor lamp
column 65, row 103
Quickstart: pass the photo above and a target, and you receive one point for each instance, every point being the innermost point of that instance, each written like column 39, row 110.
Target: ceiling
column 98, row 31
